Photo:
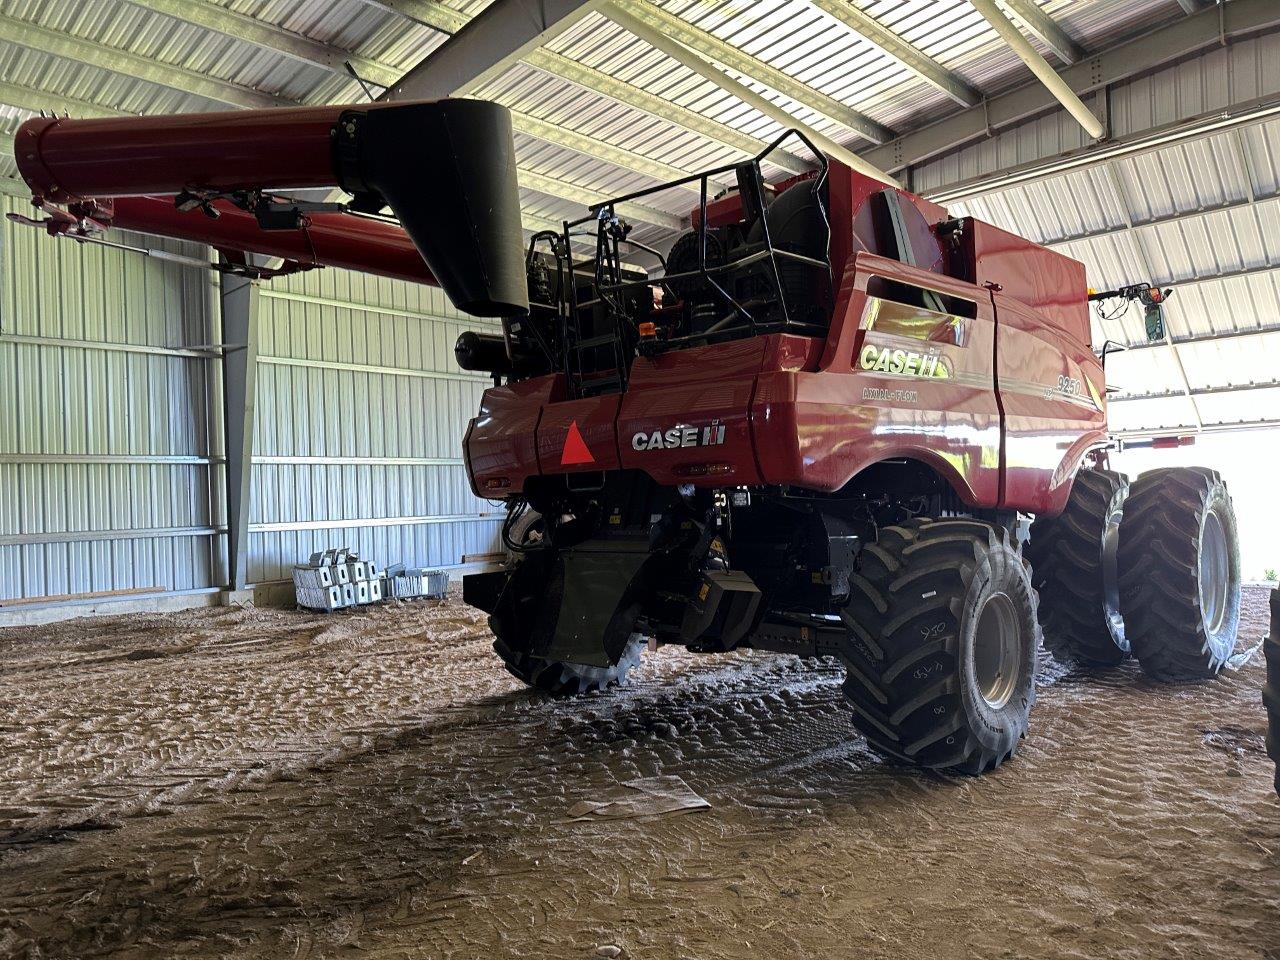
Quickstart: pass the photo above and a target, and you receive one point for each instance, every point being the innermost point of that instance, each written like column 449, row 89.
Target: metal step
column 600, row 341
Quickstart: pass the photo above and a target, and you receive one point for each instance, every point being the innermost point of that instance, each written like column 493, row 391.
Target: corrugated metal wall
column 361, row 411
column 105, row 446
column 111, row 441
column 1246, row 69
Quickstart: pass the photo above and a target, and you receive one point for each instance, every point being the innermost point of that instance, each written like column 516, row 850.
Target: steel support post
column 239, row 298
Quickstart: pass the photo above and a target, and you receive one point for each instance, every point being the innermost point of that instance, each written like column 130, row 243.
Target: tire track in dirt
column 1137, row 821
column 96, row 738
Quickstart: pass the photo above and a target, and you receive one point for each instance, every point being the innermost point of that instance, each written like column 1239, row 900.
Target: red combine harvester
column 812, row 429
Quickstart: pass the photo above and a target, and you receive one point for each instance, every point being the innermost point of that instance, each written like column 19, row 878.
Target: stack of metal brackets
column 337, row 578
column 409, row 582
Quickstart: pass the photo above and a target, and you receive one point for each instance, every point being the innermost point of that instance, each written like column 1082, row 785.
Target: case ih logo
column 909, row 362
column 678, row 437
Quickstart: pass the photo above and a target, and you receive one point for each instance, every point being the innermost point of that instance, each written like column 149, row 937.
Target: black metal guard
column 609, row 281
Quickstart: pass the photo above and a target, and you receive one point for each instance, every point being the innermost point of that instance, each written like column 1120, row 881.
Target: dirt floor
column 261, row 783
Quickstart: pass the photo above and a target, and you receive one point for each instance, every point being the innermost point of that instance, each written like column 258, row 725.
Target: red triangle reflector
column 575, row 448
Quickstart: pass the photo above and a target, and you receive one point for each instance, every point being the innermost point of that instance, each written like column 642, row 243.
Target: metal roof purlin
column 923, row 66
column 707, row 45
column 693, row 61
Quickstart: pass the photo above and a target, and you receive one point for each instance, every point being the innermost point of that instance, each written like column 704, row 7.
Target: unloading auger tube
column 445, row 168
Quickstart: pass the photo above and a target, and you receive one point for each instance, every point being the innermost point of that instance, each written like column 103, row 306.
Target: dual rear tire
column 1180, row 573
column 1075, row 558
column 1150, row 568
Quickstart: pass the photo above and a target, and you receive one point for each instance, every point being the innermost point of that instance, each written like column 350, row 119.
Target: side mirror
column 1153, row 313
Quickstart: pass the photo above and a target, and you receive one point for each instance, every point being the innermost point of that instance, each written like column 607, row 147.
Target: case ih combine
column 812, row 429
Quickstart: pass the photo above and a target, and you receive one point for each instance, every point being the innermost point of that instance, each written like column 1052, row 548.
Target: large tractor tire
column 942, row 648
column 1074, row 559
column 513, row 641
column 1271, row 689
column 1180, row 573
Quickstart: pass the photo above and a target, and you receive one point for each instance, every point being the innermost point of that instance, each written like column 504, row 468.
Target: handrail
column 609, row 282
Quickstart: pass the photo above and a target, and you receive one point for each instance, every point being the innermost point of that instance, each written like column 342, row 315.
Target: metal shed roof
column 601, row 112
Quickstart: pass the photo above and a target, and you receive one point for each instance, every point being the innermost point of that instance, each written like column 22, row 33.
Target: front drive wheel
column 1180, row 573
column 942, row 648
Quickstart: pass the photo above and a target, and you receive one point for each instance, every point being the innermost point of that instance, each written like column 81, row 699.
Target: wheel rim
column 997, row 652
column 1215, row 572
column 1111, row 570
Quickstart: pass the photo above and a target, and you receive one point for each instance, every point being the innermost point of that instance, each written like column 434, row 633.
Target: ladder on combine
column 599, row 334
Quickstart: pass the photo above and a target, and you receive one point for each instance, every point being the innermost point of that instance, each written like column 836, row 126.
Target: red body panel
column 994, row 385
column 596, row 419
column 1045, row 281
column 697, row 388
column 65, row 160
column 818, row 429
column 1011, row 407
column 1053, row 393
column 501, row 442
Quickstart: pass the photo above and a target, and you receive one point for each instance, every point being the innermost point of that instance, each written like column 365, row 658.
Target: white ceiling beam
column 707, row 45
column 58, row 43
column 1037, row 64
column 919, row 63
column 594, row 147
column 597, row 81
column 1239, row 426
column 268, row 36
column 34, row 101
column 1207, row 391
column 704, row 68
column 429, row 13
column 585, row 197
column 1151, row 50
column 1198, row 215
column 487, row 46
column 1267, row 331
column 1043, row 26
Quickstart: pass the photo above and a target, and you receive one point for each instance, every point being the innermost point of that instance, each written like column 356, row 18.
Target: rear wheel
column 562, row 679
column 527, row 589
column 1271, row 689
column 1180, row 573
column 942, row 645
column 1074, row 556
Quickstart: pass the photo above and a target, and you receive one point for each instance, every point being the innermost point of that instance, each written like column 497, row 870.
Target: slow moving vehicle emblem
column 576, row 451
